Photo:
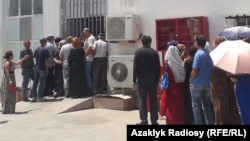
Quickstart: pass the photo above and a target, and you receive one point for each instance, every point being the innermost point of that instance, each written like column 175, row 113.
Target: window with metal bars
column 79, row 14
column 237, row 21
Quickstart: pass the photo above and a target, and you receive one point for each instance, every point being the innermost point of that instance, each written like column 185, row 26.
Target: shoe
column 55, row 95
column 142, row 123
column 40, row 100
column 26, row 100
column 162, row 117
column 155, row 123
column 33, row 100
column 74, row 96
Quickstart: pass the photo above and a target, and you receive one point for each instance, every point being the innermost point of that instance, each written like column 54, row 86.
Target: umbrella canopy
column 232, row 56
column 235, row 33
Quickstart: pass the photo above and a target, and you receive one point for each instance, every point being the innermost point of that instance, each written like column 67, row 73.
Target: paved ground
column 41, row 122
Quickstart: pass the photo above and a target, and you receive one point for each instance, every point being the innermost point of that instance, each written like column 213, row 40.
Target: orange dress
column 173, row 102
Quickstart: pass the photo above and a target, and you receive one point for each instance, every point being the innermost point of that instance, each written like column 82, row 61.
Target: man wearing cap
column 100, row 49
column 41, row 54
column 89, row 57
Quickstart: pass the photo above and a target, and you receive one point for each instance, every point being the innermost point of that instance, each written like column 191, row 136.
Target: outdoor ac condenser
column 120, row 72
column 123, row 28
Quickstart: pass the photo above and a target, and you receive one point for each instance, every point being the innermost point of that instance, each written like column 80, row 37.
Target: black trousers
column 50, row 82
column 100, row 75
column 147, row 88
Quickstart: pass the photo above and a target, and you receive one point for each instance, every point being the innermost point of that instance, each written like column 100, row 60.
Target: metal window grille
column 237, row 21
column 78, row 14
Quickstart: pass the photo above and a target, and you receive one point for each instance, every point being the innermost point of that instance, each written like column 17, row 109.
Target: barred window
column 231, row 21
column 78, row 14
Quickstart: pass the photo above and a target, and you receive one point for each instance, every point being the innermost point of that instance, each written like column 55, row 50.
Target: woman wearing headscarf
column 173, row 99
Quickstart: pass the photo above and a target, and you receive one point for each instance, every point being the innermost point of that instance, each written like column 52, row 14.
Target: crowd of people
column 75, row 67
column 198, row 92
column 58, row 67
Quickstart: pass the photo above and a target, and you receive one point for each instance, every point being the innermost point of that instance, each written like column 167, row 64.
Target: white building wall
column 149, row 10
column 3, row 32
column 51, row 16
column 51, row 25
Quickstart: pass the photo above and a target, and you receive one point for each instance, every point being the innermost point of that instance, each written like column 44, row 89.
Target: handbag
column 11, row 88
column 164, row 81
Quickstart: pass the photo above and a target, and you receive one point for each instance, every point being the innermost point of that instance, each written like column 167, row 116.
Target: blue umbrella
column 235, row 33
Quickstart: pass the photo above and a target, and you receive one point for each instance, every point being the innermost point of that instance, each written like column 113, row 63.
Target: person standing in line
column 100, row 65
column 242, row 93
column 88, row 47
column 200, row 83
column 76, row 63
column 222, row 94
column 173, row 98
column 27, row 69
column 188, row 62
column 146, row 73
column 242, row 96
column 50, row 80
column 41, row 54
column 58, row 89
column 63, row 54
column 8, row 95
column 57, row 42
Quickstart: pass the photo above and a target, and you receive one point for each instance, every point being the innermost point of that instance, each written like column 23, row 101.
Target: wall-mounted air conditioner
column 120, row 73
column 123, row 28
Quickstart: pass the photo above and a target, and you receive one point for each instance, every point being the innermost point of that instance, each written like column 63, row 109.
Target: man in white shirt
column 64, row 53
column 89, row 57
column 100, row 49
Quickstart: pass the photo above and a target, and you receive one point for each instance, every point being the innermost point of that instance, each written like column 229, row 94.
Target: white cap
column 49, row 36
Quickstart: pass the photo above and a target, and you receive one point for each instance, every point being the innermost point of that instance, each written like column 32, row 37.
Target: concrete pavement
column 45, row 121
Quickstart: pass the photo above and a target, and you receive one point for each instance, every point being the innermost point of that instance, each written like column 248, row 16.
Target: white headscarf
column 175, row 64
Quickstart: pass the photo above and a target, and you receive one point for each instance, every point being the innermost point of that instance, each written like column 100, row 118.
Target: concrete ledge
column 79, row 104
column 56, row 106
column 116, row 102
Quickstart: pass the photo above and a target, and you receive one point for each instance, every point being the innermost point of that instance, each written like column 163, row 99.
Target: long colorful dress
column 223, row 98
column 173, row 102
column 8, row 98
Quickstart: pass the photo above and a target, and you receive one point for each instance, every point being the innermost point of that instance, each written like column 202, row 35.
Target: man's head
column 146, row 40
column 101, row 36
column 43, row 42
column 86, row 32
column 50, row 38
column 69, row 39
column 57, row 40
column 26, row 44
column 200, row 41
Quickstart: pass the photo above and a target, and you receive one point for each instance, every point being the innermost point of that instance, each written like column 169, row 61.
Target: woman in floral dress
column 8, row 95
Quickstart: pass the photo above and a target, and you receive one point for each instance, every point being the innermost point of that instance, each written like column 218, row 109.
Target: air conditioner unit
column 120, row 73
column 123, row 28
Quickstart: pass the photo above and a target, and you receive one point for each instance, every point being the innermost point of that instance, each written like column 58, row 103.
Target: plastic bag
column 164, row 81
